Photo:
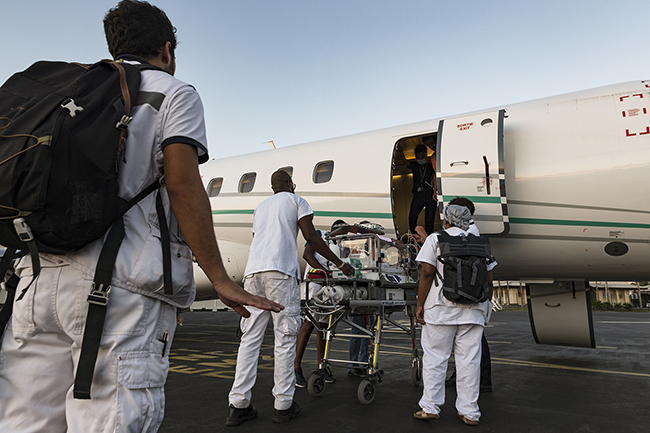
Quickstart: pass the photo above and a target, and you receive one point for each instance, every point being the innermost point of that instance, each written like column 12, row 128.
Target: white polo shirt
column 166, row 111
column 275, row 229
column 438, row 310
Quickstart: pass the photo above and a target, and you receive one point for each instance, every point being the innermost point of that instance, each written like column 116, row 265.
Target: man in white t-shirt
column 446, row 326
column 273, row 271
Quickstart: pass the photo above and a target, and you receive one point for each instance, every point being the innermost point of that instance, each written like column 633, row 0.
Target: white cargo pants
column 283, row 289
column 437, row 343
column 41, row 348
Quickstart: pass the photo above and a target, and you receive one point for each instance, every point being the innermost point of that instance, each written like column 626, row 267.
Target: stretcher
column 383, row 284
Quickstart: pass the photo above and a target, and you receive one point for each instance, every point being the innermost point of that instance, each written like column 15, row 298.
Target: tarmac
column 536, row 388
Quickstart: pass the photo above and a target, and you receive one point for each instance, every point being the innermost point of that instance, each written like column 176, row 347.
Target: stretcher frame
column 376, row 306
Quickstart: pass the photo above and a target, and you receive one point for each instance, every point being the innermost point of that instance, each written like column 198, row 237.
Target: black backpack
column 63, row 128
column 62, row 133
column 465, row 259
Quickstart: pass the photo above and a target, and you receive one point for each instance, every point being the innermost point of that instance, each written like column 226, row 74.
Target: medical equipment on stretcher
column 381, row 285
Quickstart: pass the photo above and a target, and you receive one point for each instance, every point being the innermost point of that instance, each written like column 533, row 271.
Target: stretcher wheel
column 316, row 385
column 416, row 372
column 366, row 392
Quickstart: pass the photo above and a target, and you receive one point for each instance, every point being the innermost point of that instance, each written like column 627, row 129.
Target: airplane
column 560, row 186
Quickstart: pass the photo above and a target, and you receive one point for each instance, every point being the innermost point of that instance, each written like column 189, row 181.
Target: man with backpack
column 41, row 347
column 453, row 325
column 486, row 363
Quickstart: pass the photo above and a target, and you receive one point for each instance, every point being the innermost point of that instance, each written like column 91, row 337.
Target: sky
column 296, row 71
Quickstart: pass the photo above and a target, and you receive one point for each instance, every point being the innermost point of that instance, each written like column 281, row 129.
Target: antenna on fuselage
column 271, row 143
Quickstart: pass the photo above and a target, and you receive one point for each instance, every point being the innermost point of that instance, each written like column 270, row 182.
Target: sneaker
column 421, row 414
column 237, row 416
column 286, row 415
column 300, row 379
column 329, row 378
column 468, row 421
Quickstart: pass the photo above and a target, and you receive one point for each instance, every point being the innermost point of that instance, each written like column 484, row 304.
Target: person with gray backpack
column 87, row 345
column 453, row 307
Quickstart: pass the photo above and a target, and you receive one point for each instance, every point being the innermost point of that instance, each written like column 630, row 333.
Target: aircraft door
column 470, row 164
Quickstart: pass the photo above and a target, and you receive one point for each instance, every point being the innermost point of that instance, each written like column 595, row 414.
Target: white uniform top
column 275, row 229
column 438, row 310
column 166, row 111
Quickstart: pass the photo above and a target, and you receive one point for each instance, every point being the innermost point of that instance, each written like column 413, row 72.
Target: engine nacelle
column 560, row 313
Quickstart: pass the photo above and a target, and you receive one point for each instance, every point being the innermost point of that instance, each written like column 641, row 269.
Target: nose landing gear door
column 469, row 159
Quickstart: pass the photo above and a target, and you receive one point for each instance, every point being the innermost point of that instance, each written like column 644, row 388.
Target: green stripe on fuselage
column 233, row 212
column 337, row 214
column 477, row 199
column 550, row 222
column 333, row 214
column 513, row 220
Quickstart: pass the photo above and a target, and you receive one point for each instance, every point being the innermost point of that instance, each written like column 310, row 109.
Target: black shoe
column 486, row 388
column 329, row 378
column 300, row 379
column 237, row 416
column 286, row 415
column 357, row 372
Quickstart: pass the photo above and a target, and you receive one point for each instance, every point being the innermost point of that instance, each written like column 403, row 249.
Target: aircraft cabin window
column 289, row 170
column 214, row 187
column 323, row 171
column 247, row 182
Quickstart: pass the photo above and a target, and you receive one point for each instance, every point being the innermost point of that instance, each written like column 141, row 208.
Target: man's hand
column 422, row 233
column 235, row 297
column 419, row 315
column 347, row 269
column 191, row 207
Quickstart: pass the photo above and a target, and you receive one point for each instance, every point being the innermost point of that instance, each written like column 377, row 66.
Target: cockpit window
column 214, row 187
column 323, row 171
column 247, row 182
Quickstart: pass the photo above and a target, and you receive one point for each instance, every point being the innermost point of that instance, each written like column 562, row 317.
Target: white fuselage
column 575, row 168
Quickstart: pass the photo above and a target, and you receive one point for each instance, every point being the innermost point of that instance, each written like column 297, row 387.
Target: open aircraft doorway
column 402, row 181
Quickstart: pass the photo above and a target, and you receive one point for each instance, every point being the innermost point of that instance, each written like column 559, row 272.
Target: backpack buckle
column 99, row 296
column 123, row 123
column 23, row 230
column 72, row 108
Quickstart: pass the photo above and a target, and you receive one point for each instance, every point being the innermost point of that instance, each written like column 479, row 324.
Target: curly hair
column 138, row 28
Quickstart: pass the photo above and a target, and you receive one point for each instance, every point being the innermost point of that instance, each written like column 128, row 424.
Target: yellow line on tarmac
column 516, row 362
column 626, row 322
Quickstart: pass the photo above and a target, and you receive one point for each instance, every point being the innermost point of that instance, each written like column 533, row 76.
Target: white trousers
column 437, row 344
column 41, row 348
column 283, row 289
